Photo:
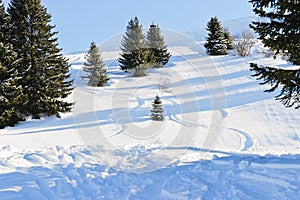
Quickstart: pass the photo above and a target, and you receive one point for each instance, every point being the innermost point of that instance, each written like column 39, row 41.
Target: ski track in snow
column 248, row 141
column 173, row 116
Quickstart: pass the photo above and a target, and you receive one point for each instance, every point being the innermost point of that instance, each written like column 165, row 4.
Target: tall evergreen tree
column 44, row 70
column 10, row 92
column 281, row 33
column 216, row 43
column 134, row 55
column 156, row 44
column 157, row 110
column 95, row 67
column 288, row 80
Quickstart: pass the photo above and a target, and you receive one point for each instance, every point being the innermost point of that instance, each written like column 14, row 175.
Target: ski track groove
column 172, row 116
column 249, row 143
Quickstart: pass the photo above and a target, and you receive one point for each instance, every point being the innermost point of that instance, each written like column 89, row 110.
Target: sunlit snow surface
column 72, row 173
column 223, row 138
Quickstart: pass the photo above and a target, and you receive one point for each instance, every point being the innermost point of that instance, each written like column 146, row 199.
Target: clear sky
column 80, row 22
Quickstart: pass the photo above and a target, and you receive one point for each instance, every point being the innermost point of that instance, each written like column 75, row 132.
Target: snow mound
column 237, row 176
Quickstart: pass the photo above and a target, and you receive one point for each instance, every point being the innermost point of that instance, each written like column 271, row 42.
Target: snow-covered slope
column 223, row 137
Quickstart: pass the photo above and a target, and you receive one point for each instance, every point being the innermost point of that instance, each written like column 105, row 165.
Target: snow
column 222, row 138
column 232, row 177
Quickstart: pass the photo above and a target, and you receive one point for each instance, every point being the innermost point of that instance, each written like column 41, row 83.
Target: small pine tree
column 95, row 67
column 229, row 39
column 156, row 44
column 157, row 110
column 134, row 56
column 44, row 70
column 216, row 43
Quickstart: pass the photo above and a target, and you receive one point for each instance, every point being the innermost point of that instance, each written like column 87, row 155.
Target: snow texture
column 222, row 137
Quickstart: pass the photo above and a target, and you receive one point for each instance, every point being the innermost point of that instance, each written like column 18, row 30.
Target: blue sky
column 80, row 22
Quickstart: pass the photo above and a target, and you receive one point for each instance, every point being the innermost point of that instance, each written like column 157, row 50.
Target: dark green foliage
column 288, row 80
column 11, row 96
column 134, row 54
column 95, row 67
column 157, row 110
column 228, row 38
column 138, row 54
column 216, row 43
column 156, row 44
column 10, row 92
column 4, row 20
column 135, row 61
column 281, row 33
column 44, row 70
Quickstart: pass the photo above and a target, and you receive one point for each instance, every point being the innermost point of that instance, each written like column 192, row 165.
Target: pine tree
column 158, row 49
column 216, row 43
column 228, row 38
column 95, row 67
column 44, row 70
column 281, row 33
column 288, row 80
column 157, row 110
column 134, row 55
column 10, row 92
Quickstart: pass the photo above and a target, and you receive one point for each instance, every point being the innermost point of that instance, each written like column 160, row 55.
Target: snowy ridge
column 223, row 138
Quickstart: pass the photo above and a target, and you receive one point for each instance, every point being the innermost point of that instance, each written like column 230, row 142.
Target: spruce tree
column 157, row 110
column 134, row 56
column 216, row 43
column 281, row 33
column 44, row 70
column 228, row 38
column 156, row 44
column 10, row 92
column 95, row 67
column 287, row 80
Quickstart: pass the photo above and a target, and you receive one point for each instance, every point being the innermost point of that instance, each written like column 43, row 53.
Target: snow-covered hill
column 223, row 138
